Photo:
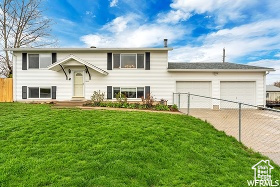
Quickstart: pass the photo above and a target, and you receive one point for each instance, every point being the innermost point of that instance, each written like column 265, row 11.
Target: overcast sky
column 198, row 30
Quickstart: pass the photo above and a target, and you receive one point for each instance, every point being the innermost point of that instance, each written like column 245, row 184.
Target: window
column 33, row 93
column 116, row 90
column 36, row 92
column 267, row 95
column 33, row 60
column 140, row 60
column 39, row 61
column 129, row 92
column 128, row 61
column 140, row 92
column 45, row 93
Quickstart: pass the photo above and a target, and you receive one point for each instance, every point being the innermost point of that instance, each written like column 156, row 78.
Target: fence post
column 179, row 99
column 189, row 99
column 239, row 116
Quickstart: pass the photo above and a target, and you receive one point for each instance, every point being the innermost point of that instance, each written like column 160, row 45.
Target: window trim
column 45, row 87
column 129, row 54
column 39, row 60
column 135, row 98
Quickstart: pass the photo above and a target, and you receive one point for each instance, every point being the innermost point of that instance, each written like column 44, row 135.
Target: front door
column 79, row 84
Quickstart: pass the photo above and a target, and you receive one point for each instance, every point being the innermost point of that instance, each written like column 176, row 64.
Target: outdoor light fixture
column 69, row 71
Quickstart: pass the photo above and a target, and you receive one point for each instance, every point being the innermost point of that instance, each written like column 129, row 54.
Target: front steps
column 70, row 104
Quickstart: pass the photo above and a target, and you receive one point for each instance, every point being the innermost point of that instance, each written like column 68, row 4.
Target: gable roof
column 217, row 66
column 56, row 66
column 271, row 88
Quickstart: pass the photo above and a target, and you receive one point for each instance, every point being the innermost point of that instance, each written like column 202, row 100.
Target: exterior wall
column 162, row 83
column 273, row 96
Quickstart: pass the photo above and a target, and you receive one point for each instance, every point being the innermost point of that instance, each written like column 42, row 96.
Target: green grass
column 40, row 146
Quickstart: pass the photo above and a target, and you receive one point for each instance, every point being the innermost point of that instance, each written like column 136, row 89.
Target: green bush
column 162, row 107
column 174, row 108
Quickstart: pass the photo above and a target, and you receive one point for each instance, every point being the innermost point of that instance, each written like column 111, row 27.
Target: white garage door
column 198, row 88
column 244, row 92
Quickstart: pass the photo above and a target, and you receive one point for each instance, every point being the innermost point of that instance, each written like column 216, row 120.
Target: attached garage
column 202, row 88
column 242, row 91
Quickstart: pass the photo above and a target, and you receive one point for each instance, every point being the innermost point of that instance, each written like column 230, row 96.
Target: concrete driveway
column 260, row 129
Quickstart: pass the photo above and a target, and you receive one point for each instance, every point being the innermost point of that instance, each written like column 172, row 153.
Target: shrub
column 148, row 101
column 174, row 108
column 121, row 98
column 97, row 97
column 162, row 107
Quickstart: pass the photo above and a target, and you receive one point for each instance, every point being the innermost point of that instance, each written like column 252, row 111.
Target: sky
column 198, row 30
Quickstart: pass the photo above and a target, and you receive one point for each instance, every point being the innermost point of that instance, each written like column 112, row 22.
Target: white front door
column 78, row 84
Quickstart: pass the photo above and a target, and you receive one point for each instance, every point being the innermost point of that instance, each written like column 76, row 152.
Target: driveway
column 260, row 129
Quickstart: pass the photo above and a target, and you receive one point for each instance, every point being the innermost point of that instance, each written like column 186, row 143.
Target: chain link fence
column 256, row 127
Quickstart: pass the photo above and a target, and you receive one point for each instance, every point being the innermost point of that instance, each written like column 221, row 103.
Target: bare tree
column 22, row 24
column 277, row 83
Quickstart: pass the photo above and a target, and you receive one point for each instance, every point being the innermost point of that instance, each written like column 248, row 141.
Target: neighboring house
column 64, row 74
column 272, row 93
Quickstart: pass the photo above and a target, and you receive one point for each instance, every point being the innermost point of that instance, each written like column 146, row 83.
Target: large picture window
column 37, row 92
column 39, row 61
column 128, row 61
column 129, row 92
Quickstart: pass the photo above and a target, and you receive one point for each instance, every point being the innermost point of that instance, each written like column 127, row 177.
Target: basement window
column 37, row 92
column 129, row 92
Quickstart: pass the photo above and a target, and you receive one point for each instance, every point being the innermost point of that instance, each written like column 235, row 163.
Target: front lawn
column 40, row 146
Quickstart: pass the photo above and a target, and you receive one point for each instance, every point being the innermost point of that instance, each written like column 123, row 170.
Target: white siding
column 162, row 82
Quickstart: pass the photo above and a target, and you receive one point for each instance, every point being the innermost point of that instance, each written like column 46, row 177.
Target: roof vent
column 165, row 42
column 92, row 47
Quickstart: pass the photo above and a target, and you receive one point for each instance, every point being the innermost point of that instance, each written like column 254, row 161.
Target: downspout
column 14, row 77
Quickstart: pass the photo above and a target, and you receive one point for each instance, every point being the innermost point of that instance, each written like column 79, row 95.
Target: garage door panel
column 198, row 88
column 244, row 92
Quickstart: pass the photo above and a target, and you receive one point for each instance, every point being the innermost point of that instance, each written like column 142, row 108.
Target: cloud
column 223, row 10
column 253, row 39
column 173, row 16
column 272, row 76
column 126, row 31
column 113, row 3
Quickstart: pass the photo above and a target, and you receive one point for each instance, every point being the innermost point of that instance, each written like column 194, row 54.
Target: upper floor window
column 132, row 61
column 39, row 61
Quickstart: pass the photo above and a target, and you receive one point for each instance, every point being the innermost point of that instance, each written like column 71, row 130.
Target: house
column 272, row 93
column 63, row 74
column 262, row 170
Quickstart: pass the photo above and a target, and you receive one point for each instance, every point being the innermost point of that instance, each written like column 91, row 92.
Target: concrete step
column 70, row 103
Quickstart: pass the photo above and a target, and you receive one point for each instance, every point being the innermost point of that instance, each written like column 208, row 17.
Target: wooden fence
column 6, row 90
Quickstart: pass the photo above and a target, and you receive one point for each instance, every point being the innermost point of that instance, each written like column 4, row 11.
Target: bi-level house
column 64, row 74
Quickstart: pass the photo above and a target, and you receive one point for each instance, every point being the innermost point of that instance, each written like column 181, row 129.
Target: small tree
column 121, row 98
column 148, row 101
column 22, row 24
column 97, row 98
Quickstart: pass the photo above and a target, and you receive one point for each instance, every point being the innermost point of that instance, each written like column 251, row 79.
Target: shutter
column 109, row 61
column 54, row 58
column 24, row 92
column 147, row 91
column 24, row 61
column 109, row 92
column 53, row 92
column 148, row 60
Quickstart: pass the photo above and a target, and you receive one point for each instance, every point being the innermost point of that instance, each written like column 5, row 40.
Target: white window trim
column 136, row 98
column 39, row 61
column 128, row 54
column 39, row 92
